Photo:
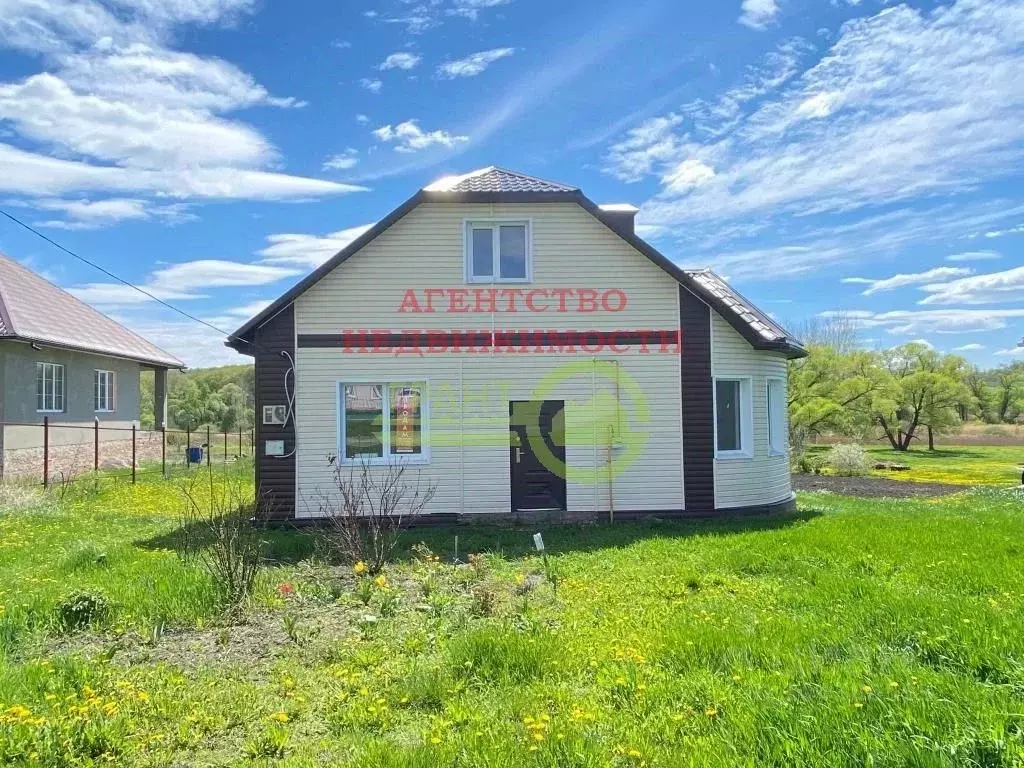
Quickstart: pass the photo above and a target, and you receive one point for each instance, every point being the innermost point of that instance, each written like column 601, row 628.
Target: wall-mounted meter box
column 274, row 448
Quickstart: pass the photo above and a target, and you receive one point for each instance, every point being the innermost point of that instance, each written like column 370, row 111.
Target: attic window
column 498, row 252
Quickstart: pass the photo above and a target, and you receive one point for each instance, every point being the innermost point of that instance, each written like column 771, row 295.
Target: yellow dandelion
column 711, row 712
column 360, row 568
column 281, row 717
column 866, row 689
column 381, row 581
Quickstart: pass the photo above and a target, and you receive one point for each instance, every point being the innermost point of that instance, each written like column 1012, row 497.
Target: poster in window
column 405, row 418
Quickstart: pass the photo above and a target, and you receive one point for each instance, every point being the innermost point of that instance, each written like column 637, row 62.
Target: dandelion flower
column 381, row 581
column 281, row 717
column 360, row 568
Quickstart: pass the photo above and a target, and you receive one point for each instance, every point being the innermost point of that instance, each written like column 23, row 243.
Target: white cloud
column 94, row 214
column 59, row 26
column 474, row 64
column 918, row 103
column 969, row 348
column 45, row 109
column 991, row 288
column 903, row 280
column 117, row 111
column 1003, row 232
column 372, row 84
column 1017, row 351
column 342, row 161
column 470, row 9
column 34, row 174
column 184, row 281
column 362, row 119
column 308, row 251
column 928, row 321
column 974, row 256
column 409, row 137
column 689, row 174
column 758, row 14
column 401, row 60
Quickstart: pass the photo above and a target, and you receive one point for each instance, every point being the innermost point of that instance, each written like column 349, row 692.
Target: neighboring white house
column 521, row 349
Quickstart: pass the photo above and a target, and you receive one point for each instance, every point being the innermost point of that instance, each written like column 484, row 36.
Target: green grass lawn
column 958, row 465
column 854, row 633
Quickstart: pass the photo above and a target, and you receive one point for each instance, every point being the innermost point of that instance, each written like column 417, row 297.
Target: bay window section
column 382, row 422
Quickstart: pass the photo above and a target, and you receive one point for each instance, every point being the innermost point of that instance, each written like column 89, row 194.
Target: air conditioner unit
column 275, row 415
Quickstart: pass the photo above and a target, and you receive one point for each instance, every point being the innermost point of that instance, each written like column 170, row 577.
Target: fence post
column 133, row 454
column 163, row 452
column 252, row 440
column 225, row 446
column 46, row 451
column 209, row 448
column 188, row 444
column 241, row 450
column 96, row 444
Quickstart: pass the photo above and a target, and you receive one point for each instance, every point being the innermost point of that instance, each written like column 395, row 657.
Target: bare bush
column 365, row 510
column 848, row 460
column 220, row 531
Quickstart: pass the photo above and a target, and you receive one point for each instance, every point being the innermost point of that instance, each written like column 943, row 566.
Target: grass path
column 853, row 633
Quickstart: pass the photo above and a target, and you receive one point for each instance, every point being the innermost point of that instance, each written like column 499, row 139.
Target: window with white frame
column 382, row 422
column 733, row 426
column 49, row 387
column 776, row 391
column 498, row 251
column 103, row 391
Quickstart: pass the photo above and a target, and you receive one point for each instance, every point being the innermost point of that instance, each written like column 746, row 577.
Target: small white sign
column 538, row 542
column 274, row 448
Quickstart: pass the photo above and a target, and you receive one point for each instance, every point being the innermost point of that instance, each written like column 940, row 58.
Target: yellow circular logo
column 611, row 414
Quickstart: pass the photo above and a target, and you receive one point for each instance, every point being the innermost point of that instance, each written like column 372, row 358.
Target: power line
column 111, row 275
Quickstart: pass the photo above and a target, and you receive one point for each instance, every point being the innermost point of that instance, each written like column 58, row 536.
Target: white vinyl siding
column 570, row 249
column 469, row 425
column 764, row 477
column 49, row 388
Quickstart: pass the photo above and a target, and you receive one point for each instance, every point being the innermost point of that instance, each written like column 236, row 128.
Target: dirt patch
column 873, row 487
column 250, row 645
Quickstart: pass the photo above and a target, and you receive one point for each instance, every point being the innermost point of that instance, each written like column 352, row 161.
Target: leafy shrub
column 81, row 610
column 848, row 460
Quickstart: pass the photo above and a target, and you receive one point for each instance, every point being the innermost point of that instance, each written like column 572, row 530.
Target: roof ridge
column 532, row 177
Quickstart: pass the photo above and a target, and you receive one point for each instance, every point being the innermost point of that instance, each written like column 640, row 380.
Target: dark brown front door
column 537, row 454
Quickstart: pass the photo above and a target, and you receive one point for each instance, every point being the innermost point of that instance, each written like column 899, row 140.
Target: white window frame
column 746, row 450
column 388, row 457
column 776, row 419
column 495, row 225
column 111, row 390
column 43, row 367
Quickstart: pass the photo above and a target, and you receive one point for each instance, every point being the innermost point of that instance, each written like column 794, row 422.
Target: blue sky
column 825, row 156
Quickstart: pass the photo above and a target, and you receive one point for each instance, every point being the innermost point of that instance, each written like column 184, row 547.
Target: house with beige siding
column 523, row 351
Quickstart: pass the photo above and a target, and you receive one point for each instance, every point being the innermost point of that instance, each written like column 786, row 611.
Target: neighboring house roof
column 498, row 185
column 34, row 309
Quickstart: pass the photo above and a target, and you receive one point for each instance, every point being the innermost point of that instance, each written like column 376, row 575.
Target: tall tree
column 924, row 389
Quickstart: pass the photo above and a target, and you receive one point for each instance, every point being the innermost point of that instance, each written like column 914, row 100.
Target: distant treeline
column 221, row 398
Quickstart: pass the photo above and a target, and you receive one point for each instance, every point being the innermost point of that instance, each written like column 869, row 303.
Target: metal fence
column 55, row 452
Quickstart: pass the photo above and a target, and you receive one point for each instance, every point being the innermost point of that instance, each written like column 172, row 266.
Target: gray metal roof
column 759, row 322
column 34, row 309
column 494, row 179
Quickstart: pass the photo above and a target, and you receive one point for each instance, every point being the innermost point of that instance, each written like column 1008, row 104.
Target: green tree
column 235, row 412
column 830, row 391
column 189, row 406
column 1007, row 397
column 923, row 390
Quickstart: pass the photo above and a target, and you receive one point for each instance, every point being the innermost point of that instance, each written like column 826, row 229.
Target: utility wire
column 111, row 275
